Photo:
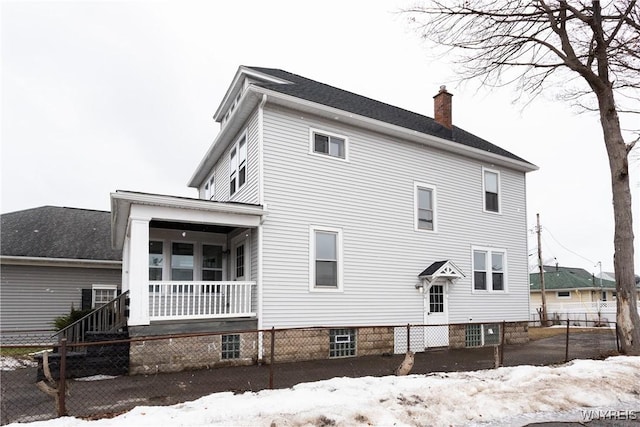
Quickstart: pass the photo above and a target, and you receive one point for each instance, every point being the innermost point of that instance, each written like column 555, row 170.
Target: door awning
column 441, row 270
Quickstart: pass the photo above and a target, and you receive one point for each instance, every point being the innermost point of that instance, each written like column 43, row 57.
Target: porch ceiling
column 188, row 226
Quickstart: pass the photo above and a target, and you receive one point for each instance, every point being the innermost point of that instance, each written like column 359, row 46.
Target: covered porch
column 187, row 259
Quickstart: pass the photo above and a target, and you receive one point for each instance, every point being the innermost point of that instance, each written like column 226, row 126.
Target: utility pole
column 543, row 315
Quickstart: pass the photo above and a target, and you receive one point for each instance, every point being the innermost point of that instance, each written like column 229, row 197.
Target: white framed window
column 238, row 165
column 328, row 144
column 424, row 207
column 489, row 269
column 325, row 259
column 563, row 294
column 210, row 187
column 182, row 261
column 102, row 294
column 491, row 190
column 156, row 259
column 212, row 262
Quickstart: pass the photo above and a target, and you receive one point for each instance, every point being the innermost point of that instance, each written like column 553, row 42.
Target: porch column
column 138, row 264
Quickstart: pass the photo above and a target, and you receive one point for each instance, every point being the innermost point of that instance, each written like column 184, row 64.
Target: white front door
column 437, row 330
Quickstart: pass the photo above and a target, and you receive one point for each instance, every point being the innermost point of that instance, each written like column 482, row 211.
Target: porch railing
column 200, row 300
column 110, row 317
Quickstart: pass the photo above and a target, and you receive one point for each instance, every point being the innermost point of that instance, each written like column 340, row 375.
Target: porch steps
column 111, row 358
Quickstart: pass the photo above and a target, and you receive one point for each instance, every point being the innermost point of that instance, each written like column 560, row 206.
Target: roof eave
column 59, row 262
column 121, row 202
column 395, row 130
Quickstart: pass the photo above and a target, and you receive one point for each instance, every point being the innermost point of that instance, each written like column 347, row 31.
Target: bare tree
column 591, row 51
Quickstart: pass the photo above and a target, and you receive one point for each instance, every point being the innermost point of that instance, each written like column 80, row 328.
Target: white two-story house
column 320, row 207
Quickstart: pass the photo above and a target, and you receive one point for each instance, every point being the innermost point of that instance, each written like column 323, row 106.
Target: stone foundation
column 515, row 333
column 179, row 354
column 313, row 344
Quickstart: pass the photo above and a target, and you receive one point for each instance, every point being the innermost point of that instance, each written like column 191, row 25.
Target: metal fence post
column 272, row 357
column 566, row 348
column 502, row 332
column 62, row 381
column 408, row 337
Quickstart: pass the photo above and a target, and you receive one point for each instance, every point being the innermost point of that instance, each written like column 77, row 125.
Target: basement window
column 342, row 343
column 478, row 335
column 230, row 346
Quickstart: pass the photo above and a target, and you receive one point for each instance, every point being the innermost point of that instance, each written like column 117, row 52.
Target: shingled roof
column 58, row 232
column 327, row 95
column 568, row 278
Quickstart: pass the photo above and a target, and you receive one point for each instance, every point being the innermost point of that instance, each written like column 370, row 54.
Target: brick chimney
column 442, row 107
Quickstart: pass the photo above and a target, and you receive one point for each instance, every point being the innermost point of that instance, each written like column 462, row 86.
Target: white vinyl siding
column 372, row 198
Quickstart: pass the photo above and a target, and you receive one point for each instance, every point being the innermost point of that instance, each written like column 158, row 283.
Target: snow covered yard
column 576, row 391
column 8, row 363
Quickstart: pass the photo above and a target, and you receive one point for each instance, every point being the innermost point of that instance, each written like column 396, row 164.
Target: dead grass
column 538, row 333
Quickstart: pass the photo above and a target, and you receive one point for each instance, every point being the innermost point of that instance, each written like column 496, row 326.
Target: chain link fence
column 107, row 375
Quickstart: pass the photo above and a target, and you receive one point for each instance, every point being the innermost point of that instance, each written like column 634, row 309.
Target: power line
column 567, row 249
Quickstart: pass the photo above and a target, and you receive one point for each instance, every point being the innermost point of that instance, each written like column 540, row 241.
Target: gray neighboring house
column 52, row 258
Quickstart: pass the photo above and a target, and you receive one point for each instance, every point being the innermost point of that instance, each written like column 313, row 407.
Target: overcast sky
column 100, row 96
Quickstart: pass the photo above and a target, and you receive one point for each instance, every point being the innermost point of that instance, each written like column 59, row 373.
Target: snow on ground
column 575, row 391
column 11, row 363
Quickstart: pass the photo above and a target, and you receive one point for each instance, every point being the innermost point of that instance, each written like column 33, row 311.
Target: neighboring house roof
column 310, row 90
column 580, row 272
column 58, row 232
column 568, row 278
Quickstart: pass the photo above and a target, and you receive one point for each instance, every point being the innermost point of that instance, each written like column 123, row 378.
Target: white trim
column 261, row 150
column 434, row 206
column 178, row 209
column 96, row 287
column 244, row 238
column 505, row 278
column 313, row 131
column 312, row 258
column 484, row 192
column 563, row 296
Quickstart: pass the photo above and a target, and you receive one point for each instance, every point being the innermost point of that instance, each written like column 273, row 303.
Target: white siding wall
column 249, row 192
column 371, row 197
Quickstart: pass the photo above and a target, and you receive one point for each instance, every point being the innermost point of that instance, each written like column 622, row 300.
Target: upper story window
column 326, row 258
column 491, row 186
column 489, row 268
column 328, row 144
column 238, row 165
column 425, row 207
column 210, row 188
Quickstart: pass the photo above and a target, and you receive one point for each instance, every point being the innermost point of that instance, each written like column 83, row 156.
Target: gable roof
column 311, row 90
column 58, row 232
